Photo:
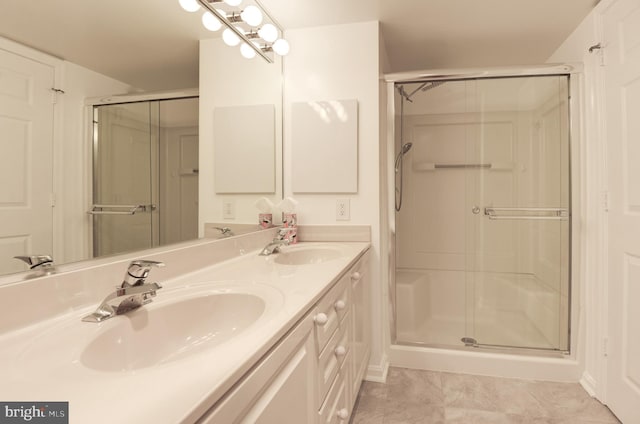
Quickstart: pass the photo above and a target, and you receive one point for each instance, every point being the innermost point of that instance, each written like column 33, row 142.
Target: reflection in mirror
column 145, row 175
column 46, row 156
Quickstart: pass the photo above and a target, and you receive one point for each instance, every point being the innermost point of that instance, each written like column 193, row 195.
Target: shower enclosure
column 145, row 174
column 482, row 237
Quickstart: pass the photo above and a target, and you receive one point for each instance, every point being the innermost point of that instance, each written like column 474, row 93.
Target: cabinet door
column 280, row 389
column 287, row 399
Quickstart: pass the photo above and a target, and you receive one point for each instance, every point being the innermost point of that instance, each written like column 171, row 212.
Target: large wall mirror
column 59, row 63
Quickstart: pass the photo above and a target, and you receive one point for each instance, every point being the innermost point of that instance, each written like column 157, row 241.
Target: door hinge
column 52, row 198
column 605, row 347
column 599, row 50
column 54, row 96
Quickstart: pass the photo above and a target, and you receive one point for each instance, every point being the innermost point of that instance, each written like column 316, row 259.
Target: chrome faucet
column 278, row 241
column 42, row 264
column 132, row 293
column 225, row 231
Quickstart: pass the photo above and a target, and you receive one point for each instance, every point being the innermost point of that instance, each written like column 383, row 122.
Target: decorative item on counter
column 289, row 218
column 265, row 217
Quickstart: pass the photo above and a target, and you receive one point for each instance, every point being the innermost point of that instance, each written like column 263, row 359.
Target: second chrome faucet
column 275, row 244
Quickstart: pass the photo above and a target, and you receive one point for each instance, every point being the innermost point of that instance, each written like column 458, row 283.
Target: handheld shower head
column 405, row 149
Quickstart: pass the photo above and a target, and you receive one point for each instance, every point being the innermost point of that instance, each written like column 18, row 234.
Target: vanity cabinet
column 361, row 317
column 314, row 373
column 343, row 357
column 277, row 390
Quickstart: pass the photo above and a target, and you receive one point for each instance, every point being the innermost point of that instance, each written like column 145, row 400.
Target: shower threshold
column 486, row 348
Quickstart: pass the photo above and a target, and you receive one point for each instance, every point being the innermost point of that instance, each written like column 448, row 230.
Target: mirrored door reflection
column 145, row 179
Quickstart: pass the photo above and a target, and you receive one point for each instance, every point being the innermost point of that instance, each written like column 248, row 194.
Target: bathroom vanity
column 231, row 337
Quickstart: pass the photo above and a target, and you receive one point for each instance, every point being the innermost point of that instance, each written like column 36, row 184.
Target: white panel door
column 26, row 143
column 179, row 185
column 621, row 26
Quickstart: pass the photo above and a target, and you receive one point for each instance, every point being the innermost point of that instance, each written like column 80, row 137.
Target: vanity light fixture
column 247, row 24
column 210, row 22
column 189, row 5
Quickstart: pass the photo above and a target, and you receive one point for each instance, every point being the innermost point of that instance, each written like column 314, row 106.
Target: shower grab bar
column 556, row 214
column 130, row 209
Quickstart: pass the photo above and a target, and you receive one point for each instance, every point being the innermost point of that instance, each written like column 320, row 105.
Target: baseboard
column 588, row 383
column 378, row 372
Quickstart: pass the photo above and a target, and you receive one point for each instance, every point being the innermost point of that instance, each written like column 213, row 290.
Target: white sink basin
column 307, row 255
column 178, row 323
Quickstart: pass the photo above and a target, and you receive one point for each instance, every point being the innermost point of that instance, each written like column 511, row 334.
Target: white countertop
column 43, row 362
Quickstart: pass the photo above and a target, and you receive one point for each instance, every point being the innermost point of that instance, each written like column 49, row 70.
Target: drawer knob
column 343, row 414
column 340, row 351
column 340, row 305
column 321, row 319
column 356, row 276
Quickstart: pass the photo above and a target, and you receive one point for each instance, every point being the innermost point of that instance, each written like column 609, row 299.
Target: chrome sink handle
column 131, row 294
column 138, row 271
column 278, row 241
column 225, row 231
column 35, row 261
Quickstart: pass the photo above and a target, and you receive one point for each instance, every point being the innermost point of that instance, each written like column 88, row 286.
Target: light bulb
column 268, row 33
column 246, row 51
column 189, row 5
column 251, row 15
column 230, row 38
column 233, row 2
column 281, row 47
column 210, row 22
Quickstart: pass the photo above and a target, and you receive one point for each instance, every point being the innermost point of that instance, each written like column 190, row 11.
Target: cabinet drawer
column 330, row 312
column 335, row 409
column 330, row 361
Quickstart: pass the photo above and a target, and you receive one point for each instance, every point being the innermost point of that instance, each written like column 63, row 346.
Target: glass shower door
column 125, row 166
column 518, row 239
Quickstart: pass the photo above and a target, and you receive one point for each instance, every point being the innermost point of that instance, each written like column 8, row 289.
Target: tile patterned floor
column 415, row 396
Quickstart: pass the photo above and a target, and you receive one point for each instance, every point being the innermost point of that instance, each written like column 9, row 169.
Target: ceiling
column 153, row 44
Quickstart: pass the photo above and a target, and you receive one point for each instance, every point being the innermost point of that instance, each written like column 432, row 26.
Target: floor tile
column 417, row 396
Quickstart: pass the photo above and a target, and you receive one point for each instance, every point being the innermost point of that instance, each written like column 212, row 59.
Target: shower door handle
column 120, row 209
column 550, row 214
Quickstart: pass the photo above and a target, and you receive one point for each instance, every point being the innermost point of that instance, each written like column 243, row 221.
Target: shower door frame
column 574, row 72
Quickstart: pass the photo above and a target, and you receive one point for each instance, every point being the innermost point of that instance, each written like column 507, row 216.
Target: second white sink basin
column 307, row 255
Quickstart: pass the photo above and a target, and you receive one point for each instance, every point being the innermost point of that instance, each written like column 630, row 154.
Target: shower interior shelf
column 427, row 166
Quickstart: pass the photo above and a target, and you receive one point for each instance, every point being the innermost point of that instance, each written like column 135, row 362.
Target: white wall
column 72, row 161
column 588, row 215
column 228, row 79
column 337, row 63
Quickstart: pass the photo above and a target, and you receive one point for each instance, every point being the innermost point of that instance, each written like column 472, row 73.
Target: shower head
column 405, row 149
column 425, row 86
column 431, row 84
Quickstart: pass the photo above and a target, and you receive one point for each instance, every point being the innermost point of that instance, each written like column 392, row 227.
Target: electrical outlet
column 228, row 209
column 342, row 210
